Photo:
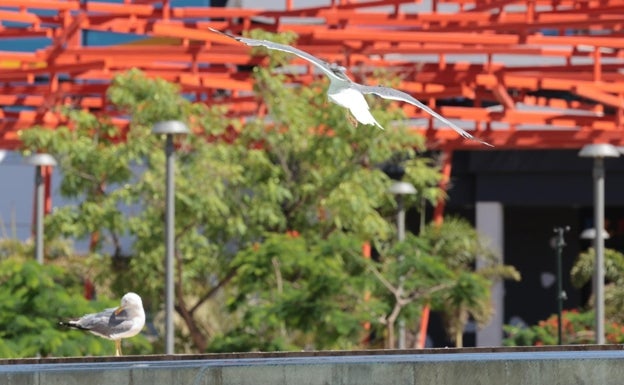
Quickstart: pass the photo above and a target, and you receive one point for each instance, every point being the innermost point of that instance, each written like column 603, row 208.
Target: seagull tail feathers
column 468, row 136
column 486, row 143
column 70, row 325
column 481, row 141
column 220, row 32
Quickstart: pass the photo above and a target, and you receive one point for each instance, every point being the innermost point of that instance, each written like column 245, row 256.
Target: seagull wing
column 106, row 323
column 320, row 64
column 394, row 94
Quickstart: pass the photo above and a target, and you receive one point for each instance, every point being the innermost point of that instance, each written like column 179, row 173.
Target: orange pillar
column 438, row 212
column 47, row 180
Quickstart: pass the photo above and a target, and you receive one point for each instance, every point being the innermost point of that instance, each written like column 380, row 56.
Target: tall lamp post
column 40, row 161
column 399, row 189
column 169, row 128
column 561, row 295
column 599, row 152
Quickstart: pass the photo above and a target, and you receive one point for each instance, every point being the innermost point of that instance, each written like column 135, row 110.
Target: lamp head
column 599, row 150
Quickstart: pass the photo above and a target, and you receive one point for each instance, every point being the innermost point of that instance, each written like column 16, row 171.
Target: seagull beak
column 119, row 310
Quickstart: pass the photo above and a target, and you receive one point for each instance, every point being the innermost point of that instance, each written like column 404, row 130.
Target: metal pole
column 39, row 161
column 400, row 218
column 561, row 295
column 599, row 248
column 559, row 290
column 401, row 235
column 169, row 128
column 169, row 243
column 40, row 193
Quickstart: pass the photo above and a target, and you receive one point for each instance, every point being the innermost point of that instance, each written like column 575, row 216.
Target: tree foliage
column 475, row 267
column 33, row 299
column 407, row 276
column 582, row 273
column 448, row 267
column 271, row 213
column 295, row 291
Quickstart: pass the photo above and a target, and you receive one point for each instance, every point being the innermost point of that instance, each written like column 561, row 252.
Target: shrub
column 577, row 328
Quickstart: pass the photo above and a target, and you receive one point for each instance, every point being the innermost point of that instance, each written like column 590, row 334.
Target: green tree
column 117, row 176
column 408, row 276
column 333, row 193
column 302, row 168
column 476, row 267
column 295, row 291
column 582, row 273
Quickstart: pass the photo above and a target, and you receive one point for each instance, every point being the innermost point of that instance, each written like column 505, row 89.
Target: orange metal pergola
column 520, row 74
column 531, row 74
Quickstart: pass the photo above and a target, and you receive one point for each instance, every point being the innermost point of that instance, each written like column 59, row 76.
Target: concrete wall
column 531, row 368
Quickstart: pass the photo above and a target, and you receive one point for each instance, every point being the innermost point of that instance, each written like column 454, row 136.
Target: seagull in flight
column 125, row 321
column 347, row 93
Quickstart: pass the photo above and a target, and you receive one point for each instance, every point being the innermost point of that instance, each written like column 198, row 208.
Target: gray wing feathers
column 323, row 66
column 105, row 323
column 384, row 92
column 394, row 94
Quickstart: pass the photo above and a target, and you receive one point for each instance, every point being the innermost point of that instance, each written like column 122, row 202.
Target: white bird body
column 347, row 93
column 124, row 321
column 354, row 101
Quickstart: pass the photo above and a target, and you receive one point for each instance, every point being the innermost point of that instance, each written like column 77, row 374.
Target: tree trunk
column 459, row 338
column 462, row 320
column 391, row 341
column 198, row 338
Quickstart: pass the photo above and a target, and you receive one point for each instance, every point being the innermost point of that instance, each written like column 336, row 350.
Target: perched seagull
column 125, row 321
column 347, row 93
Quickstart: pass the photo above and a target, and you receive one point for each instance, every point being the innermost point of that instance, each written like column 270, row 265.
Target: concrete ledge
column 496, row 368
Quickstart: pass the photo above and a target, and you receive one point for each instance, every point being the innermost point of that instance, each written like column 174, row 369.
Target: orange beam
column 66, row 68
column 363, row 35
column 20, row 17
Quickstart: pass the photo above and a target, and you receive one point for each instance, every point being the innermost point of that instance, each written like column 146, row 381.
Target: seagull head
column 130, row 301
column 339, row 70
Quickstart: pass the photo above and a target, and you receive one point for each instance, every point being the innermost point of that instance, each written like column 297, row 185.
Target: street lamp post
column 561, row 295
column 599, row 152
column 39, row 161
column 169, row 128
column 399, row 189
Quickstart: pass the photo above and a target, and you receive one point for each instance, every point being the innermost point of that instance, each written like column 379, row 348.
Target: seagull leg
column 117, row 347
column 351, row 119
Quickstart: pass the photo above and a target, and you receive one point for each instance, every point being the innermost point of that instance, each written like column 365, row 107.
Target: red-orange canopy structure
column 520, row 74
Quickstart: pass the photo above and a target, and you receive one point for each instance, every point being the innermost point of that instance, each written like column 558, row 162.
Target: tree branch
column 383, row 280
column 231, row 274
column 419, row 293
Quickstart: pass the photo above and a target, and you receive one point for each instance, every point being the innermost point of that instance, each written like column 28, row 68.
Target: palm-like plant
column 582, row 273
column 409, row 275
column 460, row 246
